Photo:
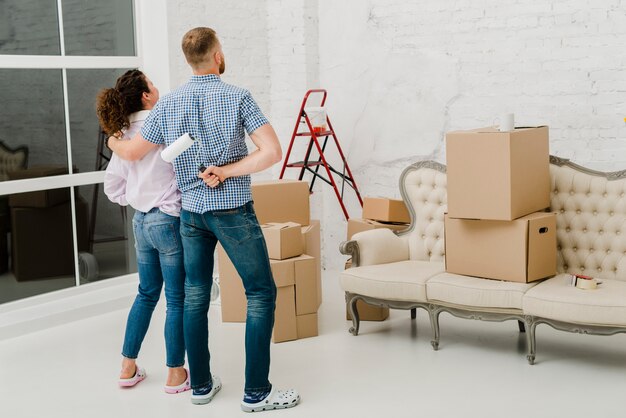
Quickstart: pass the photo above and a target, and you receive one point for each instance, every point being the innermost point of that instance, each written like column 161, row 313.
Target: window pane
column 111, row 246
column 95, row 27
column 82, row 88
column 32, row 116
column 29, row 27
column 111, row 251
column 36, row 240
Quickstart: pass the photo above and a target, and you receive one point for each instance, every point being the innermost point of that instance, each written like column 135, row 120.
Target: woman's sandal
column 186, row 385
column 140, row 374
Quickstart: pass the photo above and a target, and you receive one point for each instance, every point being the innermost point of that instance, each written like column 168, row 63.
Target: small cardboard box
column 367, row 312
column 281, row 201
column 497, row 175
column 385, row 210
column 311, row 243
column 523, row 250
column 307, row 325
column 285, row 323
column 356, row 225
column 283, row 240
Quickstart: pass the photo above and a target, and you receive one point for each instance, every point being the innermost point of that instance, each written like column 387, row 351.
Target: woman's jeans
column 159, row 261
column 239, row 233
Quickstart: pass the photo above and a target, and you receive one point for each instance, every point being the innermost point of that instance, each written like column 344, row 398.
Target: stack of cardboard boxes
column 293, row 244
column 377, row 213
column 498, row 190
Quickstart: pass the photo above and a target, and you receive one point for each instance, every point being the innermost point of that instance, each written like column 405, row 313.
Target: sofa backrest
column 423, row 188
column 591, row 220
column 590, row 207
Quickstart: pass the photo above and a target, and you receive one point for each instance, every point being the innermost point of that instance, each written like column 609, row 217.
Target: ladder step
column 325, row 133
column 301, row 164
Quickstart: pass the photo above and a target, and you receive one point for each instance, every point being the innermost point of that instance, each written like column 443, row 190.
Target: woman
column 149, row 186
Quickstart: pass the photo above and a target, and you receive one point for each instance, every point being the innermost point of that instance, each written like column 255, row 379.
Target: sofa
column 406, row 269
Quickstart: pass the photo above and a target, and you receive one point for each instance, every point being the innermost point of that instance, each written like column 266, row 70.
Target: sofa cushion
column 473, row 291
column 404, row 280
column 556, row 299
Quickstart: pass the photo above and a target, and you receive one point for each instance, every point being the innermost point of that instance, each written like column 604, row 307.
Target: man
column 217, row 206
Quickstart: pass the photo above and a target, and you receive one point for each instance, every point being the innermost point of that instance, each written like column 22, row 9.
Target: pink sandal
column 186, row 385
column 140, row 374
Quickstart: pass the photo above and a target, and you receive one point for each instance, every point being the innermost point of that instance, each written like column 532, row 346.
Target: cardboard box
column 497, row 175
column 356, row 225
column 232, row 294
column 311, row 242
column 285, row 324
column 367, row 312
column 306, row 285
column 281, row 201
column 283, row 240
column 307, row 325
column 523, row 250
column 297, row 272
column 385, row 210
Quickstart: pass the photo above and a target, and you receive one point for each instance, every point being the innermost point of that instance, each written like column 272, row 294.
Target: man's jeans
column 159, row 259
column 239, row 233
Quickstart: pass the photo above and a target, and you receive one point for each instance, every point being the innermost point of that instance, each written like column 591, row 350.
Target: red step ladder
column 313, row 165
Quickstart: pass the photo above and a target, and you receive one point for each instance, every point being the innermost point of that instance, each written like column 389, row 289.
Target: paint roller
column 176, row 148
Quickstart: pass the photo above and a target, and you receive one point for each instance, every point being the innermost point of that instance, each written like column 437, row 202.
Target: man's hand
column 213, row 176
column 131, row 150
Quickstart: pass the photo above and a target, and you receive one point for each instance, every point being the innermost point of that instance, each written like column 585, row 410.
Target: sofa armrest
column 377, row 246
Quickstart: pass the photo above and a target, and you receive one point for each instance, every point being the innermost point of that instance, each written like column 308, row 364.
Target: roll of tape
column 587, row 284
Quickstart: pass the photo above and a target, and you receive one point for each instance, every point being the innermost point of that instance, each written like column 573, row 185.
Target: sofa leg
column 530, row 336
column 413, row 313
column 351, row 301
column 434, row 323
column 521, row 326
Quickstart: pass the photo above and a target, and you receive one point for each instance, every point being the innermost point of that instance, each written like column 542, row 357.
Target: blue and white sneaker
column 203, row 395
column 276, row 399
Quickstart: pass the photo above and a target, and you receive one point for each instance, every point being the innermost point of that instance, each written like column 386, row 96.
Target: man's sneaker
column 204, row 394
column 277, row 399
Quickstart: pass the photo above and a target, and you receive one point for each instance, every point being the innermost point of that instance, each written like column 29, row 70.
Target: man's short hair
column 198, row 43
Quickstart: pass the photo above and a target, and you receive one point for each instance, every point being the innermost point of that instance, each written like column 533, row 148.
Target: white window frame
column 151, row 49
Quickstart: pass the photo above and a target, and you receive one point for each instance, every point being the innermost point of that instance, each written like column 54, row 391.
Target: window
column 57, row 228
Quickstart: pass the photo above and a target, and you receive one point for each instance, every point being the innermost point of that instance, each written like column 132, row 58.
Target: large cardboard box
column 366, row 311
column 497, row 175
column 523, row 250
column 283, row 239
column 356, row 225
column 307, row 325
column 385, row 210
column 312, row 246
column 281, row 201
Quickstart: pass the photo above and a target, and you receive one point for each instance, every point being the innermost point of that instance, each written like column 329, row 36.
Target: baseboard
column 67, row 305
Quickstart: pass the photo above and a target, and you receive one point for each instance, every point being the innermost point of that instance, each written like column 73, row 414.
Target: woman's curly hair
column 115, row 105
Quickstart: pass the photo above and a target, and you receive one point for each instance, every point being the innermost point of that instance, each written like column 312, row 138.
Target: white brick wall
column 400, row 74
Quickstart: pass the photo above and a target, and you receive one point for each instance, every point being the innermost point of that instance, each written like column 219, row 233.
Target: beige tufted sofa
column 405, row 270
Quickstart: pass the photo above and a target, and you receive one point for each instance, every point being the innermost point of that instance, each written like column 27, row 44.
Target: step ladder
column 313, row 165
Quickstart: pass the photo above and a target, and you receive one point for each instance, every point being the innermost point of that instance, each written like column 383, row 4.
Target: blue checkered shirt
column 216, row 113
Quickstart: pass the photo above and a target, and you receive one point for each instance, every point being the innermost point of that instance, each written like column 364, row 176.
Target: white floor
column 389, row 370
